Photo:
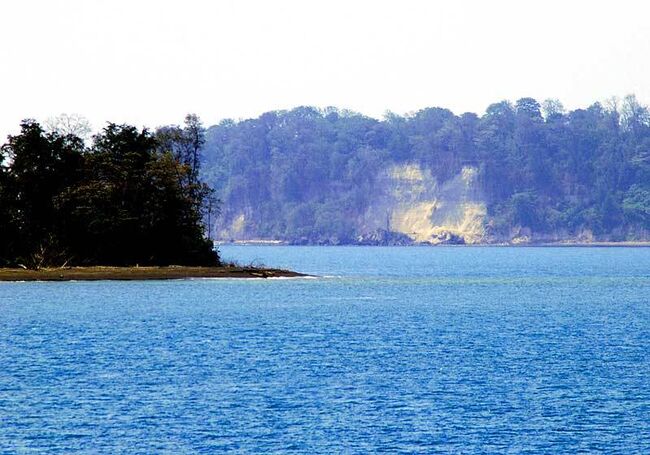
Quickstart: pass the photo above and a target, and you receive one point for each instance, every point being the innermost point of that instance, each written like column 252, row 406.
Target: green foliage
column 524, row 209
column 127, row 200
column 636, row 205
column 309, row 174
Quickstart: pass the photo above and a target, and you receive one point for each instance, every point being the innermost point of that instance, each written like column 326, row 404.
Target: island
column 128, row 205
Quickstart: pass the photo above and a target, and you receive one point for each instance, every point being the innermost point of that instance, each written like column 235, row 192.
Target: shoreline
column 627, row 244
column 97, row 273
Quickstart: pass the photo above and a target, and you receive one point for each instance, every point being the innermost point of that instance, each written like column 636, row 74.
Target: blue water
column 540, row 350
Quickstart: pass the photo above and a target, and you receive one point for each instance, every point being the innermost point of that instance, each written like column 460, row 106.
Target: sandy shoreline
column 140, row 273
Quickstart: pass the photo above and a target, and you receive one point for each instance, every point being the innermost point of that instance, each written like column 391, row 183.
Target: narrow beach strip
column 141, row 273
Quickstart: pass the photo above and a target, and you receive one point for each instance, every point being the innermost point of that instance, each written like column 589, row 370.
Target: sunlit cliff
column 411, row 201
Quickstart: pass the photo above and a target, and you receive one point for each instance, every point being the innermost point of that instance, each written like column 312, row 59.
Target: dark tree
column 125, row 201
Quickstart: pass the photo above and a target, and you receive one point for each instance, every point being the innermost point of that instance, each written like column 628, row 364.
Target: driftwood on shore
column 140, row 273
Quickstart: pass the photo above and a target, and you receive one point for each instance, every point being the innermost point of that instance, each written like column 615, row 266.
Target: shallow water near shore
column 395, row 349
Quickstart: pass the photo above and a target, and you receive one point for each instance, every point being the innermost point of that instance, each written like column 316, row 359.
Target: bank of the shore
column 427, row 244
column 141, row 273
column 597, row 244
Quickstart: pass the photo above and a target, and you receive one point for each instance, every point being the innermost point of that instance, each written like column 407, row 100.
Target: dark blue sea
column 397, row 350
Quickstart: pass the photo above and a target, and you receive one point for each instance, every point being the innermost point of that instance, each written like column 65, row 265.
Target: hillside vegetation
column 522, row 172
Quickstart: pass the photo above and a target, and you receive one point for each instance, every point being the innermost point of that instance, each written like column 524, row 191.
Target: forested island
column 132, row 198
column 522, row 173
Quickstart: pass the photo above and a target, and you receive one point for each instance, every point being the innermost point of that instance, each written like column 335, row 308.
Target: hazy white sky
column 151, row 62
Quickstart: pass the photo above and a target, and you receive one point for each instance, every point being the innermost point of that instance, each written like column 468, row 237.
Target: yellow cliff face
column 465, row 220
column 414, row 220
column 413, row 203
column 409, row 200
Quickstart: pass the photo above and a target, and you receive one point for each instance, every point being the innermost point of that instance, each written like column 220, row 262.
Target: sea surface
column 395, row 350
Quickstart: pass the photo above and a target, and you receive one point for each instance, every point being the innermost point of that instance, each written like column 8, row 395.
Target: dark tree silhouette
column 126, row 200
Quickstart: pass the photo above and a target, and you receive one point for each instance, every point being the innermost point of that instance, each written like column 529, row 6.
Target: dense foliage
column 133, row 197
column 308, row 173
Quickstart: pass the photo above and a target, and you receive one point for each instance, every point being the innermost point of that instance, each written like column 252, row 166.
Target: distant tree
column 525, row 209
column 194, row 133
column 185, row 143
column 636, row 205
column 552, row 108
column 528, row 107
column 634, row 116
column 69, row 124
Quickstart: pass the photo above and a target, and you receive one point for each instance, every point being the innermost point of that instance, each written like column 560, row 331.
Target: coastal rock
column 447, row 238
column 383, row 237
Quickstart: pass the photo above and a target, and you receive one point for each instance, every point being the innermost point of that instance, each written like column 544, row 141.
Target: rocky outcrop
column 447, row 238
column 382, row 237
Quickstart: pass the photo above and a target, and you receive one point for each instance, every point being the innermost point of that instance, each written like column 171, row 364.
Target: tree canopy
column 307, row 174
column 129, row 198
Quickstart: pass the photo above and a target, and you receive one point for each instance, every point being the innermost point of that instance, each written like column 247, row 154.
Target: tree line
column 309, row 173
column 133, row 196
column 130, row 197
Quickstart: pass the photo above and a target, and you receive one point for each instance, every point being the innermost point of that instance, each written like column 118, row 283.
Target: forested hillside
column 522, row 172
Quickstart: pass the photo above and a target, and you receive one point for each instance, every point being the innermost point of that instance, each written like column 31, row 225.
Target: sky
column 151, row 62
